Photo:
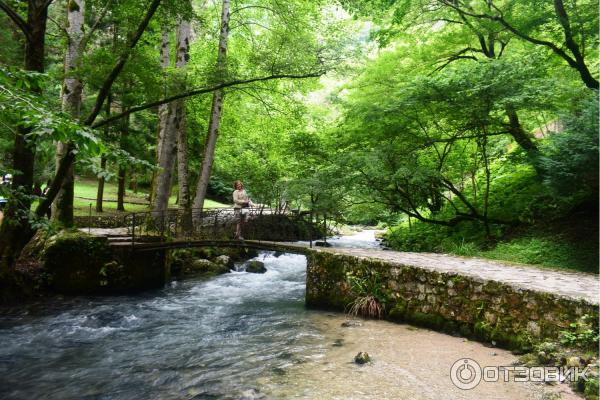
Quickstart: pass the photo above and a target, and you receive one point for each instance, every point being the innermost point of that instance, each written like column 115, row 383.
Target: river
column 238, row 335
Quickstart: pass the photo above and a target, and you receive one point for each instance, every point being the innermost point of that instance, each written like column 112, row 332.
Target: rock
column 351, row 323
column 574, row 362
column 362, row 358
column 322, row 244
column 224, row 260
column 278, row 254
column 204, row 267
column 251, row 394
column 256, row 267
column 239, row 254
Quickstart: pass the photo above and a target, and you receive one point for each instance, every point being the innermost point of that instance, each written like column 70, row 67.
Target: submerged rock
column 256, row 267
column 351, row 323
column 252, row 394
column 362, row 358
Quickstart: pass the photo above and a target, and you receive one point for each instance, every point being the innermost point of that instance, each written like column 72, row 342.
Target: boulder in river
column 256, row 267
column 204, row 267
column 362, row 358
column 351, row 323
column 322, row 244
column 224, row 260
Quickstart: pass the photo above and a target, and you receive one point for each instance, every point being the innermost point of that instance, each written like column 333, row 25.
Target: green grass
column 568, row 243
column 554, row 252
column 85, row 194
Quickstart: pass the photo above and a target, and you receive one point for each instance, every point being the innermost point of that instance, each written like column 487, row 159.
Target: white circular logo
column 465, row 373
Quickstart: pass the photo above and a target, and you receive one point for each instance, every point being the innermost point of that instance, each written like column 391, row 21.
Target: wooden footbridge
column 260, row 228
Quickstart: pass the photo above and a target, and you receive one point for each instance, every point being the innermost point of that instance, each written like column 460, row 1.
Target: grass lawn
column 85, row 194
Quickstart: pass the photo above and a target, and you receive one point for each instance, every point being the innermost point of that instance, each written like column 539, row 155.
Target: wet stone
column 256, row 267
column 362, row 358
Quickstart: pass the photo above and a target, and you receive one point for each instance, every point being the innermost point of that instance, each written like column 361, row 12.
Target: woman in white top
column 240, row 200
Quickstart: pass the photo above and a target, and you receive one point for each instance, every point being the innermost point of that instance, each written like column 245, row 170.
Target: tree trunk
column 122, row 168
column 101, row 180
column 215, row 114
column 121, row 189
column 518, row 133
column 71, row 103
column 163, row 111
column 183, row 47
column 15, row 230
column 165, row 162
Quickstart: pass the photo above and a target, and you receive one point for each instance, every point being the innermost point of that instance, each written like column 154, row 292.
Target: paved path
column 575, row 285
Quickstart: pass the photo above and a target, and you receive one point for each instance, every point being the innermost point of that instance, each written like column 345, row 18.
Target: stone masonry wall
column 486, row 310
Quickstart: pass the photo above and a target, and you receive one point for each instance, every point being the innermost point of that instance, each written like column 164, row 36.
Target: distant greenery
column 85, row 190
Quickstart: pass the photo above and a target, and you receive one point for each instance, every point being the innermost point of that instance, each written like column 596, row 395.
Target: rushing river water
column 238, row 335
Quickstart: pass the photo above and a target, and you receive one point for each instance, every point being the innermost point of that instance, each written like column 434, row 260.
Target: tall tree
column 163, row 109
column 15, row 231
column 181, row 60
column 215, row 112
column 72, row 90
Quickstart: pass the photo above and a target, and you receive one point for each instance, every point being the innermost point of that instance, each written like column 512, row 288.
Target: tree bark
column 121, row 189
column 215, row 114
column 165, row 162
column 71, row 103
column 163, row 110
column 15, row 230
column 101, row 180
column 516, row 131
column 183, row 47
column 122, row 168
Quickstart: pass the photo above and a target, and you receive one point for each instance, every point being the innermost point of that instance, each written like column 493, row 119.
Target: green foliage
column 369, row 298
column 571, row 156
column 581, row 334
column 22, row 108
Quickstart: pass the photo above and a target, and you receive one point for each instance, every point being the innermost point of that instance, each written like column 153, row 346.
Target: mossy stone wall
column 78, row 263
column 486, row 310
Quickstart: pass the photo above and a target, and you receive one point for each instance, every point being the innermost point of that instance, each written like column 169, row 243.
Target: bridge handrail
column 195, row 223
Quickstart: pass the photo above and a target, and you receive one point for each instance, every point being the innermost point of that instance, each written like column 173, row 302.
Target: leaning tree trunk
column 15, row 230
column 71, row 103
column 215, row 114
column 183, row 49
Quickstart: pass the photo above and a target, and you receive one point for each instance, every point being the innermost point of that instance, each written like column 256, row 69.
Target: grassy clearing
column 85, row 194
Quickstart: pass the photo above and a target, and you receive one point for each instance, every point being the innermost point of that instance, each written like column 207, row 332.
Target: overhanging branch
column 103, row 92
column 199, row 91
column 16, row 18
